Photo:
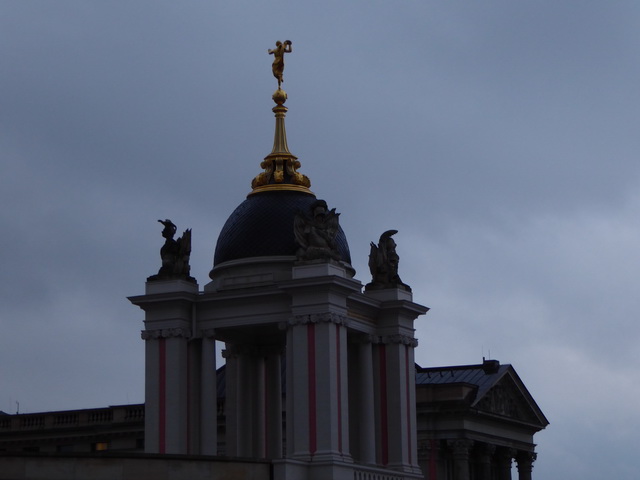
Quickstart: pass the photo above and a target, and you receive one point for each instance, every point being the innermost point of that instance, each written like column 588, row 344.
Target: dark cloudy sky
column 500, row 138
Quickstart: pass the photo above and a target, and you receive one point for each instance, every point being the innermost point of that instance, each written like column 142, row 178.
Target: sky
column 498, row 137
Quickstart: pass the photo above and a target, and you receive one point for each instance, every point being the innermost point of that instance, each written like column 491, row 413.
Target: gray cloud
column 498, row 138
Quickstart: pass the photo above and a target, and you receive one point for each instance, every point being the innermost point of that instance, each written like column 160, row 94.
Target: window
column 100, row 446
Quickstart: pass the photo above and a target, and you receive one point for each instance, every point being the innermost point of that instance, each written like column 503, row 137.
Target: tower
column 284, row 300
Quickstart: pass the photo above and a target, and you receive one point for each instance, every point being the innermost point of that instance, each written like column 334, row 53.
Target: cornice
column 165, row 333
column 327, row 317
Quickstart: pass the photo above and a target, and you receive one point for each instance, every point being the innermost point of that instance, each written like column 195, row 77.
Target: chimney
column 490, row 366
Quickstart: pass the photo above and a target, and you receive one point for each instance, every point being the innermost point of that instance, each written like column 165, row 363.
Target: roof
column 492, row 383
column 263, row 225
column 484, row 375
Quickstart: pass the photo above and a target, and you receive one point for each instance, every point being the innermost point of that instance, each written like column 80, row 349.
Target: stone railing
column 365, row 473
column 72, row 418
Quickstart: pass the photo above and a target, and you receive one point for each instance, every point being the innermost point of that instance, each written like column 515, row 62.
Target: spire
column 280, row 166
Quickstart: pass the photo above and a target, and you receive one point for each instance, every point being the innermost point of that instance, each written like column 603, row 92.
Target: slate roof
column 476, row 375
column 483, row 377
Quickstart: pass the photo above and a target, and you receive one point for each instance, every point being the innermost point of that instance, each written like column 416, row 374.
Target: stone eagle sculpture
column 174, row 254
column 383, row 264
column 315, row 233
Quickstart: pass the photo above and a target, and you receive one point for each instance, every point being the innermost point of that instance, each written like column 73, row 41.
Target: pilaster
column 317, row 373
column 171, row 409
column 317, row 388
column 399, row 448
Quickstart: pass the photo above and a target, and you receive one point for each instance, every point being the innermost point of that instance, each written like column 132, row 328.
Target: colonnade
column 465, row 459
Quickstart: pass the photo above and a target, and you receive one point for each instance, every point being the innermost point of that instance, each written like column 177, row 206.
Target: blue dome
column 262, row 226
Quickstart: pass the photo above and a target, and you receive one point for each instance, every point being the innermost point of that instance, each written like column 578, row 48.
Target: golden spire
column 280, row 166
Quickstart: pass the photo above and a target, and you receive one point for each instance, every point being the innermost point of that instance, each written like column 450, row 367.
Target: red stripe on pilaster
column 408, row 401
column 339, row 389
column 188, row 400
column 433, row 461
column 384, row 419
column 266, row 407
column 311, row 360
column 162, row 425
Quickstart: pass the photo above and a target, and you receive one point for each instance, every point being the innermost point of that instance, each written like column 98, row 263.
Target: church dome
column 262, row 226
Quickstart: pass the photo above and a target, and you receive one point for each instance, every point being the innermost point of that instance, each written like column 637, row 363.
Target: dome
column 262, row 226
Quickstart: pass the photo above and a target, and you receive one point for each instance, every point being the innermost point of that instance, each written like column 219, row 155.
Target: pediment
column 507, row 398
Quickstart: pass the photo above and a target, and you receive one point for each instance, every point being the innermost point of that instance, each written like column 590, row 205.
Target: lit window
column 100, row 446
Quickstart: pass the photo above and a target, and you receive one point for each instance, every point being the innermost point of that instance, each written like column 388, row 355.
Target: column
column 525, row 464
column 166, row 390
column 194, row 395
column 432, row 449
column 208, row 396
column 258, row 404
column 245, row 402
column 485, row 455
column 176, row 414
column 299, row 370
column 397, row 403
column 503, row 459
column 231, row 407
column 366, row 419
column 273, row 407
column 152, row 391
column 460, row 450
column 169, row 392
column 317, row 391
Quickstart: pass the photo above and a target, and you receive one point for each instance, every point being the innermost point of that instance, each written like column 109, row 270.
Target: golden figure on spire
column 280, row 166
column 278, row 61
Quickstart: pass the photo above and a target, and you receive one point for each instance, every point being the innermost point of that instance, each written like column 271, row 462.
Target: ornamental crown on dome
column 280, row 166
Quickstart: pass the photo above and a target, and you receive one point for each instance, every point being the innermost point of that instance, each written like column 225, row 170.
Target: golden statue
column 278, row 61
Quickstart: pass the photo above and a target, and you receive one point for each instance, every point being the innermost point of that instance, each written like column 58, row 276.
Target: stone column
column 485, row 456
column 166, row 385
column 169, row 317
column 397, row 403
column 503, row 459
column 460, row 451
column 317, row 376
column 208, row 396
column 320, row 355
column 194, row 395
column 273, row 407
column 298, row 370
column 152, row 390
column 396, row 420
column 525, row 464
column 258, row 405
column 430, row 454
column 366, row 419
column 231, row 405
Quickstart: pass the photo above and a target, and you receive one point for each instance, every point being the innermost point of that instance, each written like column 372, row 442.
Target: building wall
column 127, row 467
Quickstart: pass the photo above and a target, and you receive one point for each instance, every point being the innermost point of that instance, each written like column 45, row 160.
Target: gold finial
column 280, row 166
column 278, row 60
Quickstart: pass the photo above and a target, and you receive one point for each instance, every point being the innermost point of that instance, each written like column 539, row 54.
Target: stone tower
column 284, row 300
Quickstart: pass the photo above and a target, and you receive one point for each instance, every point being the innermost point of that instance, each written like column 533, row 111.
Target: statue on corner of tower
column 278, row 60
column 316, row 233
column 174, row 254
column 383, row 264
